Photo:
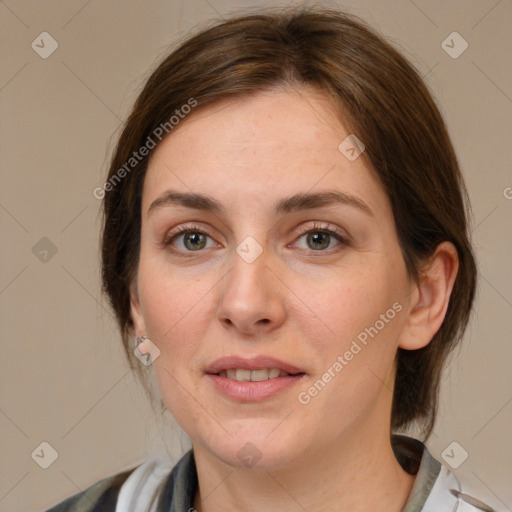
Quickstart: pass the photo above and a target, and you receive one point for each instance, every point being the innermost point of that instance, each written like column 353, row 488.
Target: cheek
column 356, row 357
column 176, row 308
column 365, row 315
column 352, row 302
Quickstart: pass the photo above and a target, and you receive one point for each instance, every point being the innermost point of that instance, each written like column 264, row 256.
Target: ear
column 136, row 310
column 137, row 317
column 430, row 297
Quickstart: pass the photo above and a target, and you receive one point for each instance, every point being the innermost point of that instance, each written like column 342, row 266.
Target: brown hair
column 385, row 104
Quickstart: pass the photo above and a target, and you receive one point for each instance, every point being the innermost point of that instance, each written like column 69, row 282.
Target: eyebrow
column 297, row 202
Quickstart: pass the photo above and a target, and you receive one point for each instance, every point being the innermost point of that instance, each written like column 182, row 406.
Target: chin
column 255, row 449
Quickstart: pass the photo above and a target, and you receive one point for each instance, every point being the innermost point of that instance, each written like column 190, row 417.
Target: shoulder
column 106, row 494
column 436, row 487
column 450, row 492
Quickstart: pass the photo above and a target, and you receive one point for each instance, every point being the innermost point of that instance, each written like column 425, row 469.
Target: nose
column 251, row 297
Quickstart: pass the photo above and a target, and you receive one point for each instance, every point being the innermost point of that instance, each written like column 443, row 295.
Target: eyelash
column 319, row 228
column 316, row 228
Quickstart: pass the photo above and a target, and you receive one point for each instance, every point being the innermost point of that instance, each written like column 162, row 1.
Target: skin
column 294, row 302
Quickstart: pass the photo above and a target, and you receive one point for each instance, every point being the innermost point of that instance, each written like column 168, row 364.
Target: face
column 271, row 280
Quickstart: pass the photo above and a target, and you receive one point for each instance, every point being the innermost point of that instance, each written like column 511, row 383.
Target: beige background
column 63, row 377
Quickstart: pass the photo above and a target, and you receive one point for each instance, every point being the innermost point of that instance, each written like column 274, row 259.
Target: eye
column 320, row 238
column 188, row 239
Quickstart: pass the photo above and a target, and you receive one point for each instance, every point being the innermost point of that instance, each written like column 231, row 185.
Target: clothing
column 155, row 486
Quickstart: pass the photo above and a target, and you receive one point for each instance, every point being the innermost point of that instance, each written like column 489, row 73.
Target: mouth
column 243, row 375
column 252, row 379
column 255, row 369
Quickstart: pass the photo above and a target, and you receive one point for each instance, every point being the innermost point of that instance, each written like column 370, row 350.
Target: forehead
column 257, row 147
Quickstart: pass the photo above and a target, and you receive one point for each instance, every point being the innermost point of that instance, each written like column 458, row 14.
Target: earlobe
column 431, row 297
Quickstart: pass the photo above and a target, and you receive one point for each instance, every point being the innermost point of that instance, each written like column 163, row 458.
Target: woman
column 285, row 237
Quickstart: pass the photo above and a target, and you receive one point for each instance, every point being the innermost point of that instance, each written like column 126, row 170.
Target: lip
column 252, row 391
column 250, row 363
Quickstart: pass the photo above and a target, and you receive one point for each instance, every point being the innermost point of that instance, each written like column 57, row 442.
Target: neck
column 358, row 473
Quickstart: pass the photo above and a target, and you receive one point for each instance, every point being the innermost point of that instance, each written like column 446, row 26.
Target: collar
column 414, row 458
